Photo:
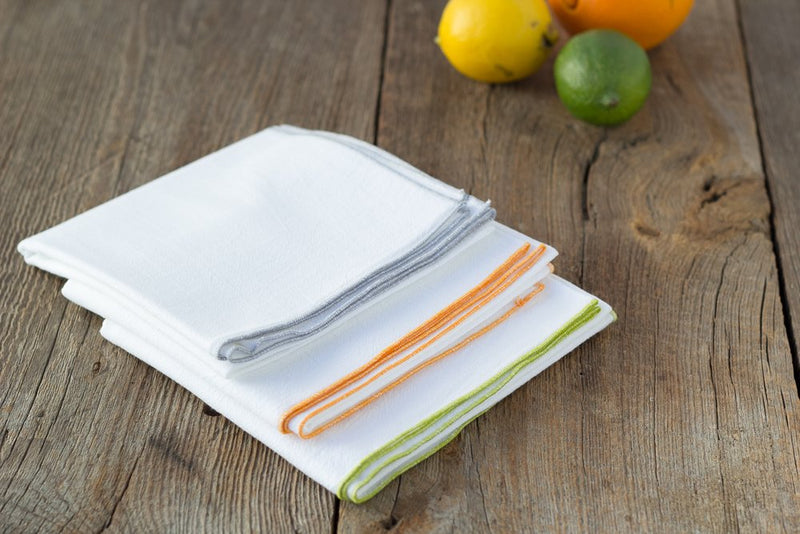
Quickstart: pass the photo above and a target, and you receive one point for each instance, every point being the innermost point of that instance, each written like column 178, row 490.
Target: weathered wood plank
column 96, row 98
column 769, row 29
column 684, row 415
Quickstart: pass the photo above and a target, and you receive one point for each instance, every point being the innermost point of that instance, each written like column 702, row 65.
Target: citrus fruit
column 496, row 40
column 648, row 22
column 602, row 76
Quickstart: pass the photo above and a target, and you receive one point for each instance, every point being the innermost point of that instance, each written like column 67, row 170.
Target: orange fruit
column 648, row 22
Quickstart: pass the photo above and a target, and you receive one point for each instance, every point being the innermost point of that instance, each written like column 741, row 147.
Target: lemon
column 602, row 76
column 496, row 40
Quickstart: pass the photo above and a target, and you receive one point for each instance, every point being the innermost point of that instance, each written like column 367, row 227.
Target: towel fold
column 308, row 228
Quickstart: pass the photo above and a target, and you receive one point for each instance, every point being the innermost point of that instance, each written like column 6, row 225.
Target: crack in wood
column 715, row 196
column 337, row 505
column 26, row 418
column 790, row 432
column 716, row 394
column 776, row 251
column 672, row 83
column 484, row 141
column 714, row 343
column 118, row 500
column 478, row 476
column 761, row 315
column 714, row 340
column 57, row 411
column 554, row 153
column 390, row 522
column 765, row 397
column 387, row 19
column 587, row 171
column 654, row 421
column 583, row 415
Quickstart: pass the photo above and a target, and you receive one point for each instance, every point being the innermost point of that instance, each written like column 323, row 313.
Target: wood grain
column 684, row 415
column 97, row 98
column 772, row 52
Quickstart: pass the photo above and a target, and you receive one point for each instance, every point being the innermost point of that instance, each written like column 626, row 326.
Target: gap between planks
column 782, row 290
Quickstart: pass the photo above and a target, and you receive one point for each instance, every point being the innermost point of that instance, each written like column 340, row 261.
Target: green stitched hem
column 479, row 395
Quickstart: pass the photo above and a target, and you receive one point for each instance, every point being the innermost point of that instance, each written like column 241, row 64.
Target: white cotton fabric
column 260, row 234
column 329, row 356
column 330, row 457
column 287, row 230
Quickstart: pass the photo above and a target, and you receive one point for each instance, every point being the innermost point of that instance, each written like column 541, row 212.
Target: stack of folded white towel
column 344, row 308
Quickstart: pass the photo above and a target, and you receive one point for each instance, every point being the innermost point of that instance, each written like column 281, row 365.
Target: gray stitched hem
column 461, row 223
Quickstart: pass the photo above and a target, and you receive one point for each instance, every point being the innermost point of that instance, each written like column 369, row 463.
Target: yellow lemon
column 496, row 40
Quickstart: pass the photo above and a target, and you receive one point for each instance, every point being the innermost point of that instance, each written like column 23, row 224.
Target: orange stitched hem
column 413, row 337
column 485, row 299
column 518, row 303
column 406, row 341
column 508, row 269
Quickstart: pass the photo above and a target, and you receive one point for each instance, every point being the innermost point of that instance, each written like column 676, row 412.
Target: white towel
column 317, row 251
column 360, row 456
column 262, row 243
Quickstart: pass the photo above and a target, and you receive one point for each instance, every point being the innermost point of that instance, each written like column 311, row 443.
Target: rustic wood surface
column 773, row 52
column 683, row 416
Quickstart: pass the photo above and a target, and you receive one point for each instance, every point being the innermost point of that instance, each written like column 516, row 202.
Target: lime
column 603, row 77
column 496, row 41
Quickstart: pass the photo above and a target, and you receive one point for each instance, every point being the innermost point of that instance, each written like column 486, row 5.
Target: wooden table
column 683, row 416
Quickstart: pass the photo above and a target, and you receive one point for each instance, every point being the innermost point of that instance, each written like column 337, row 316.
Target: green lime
column 602, row 76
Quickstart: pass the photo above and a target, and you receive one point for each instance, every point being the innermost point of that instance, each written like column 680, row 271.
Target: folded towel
column 503, row 292
column 358, row 457
column 308, row 228
column 345, row 347
column 234, row 276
